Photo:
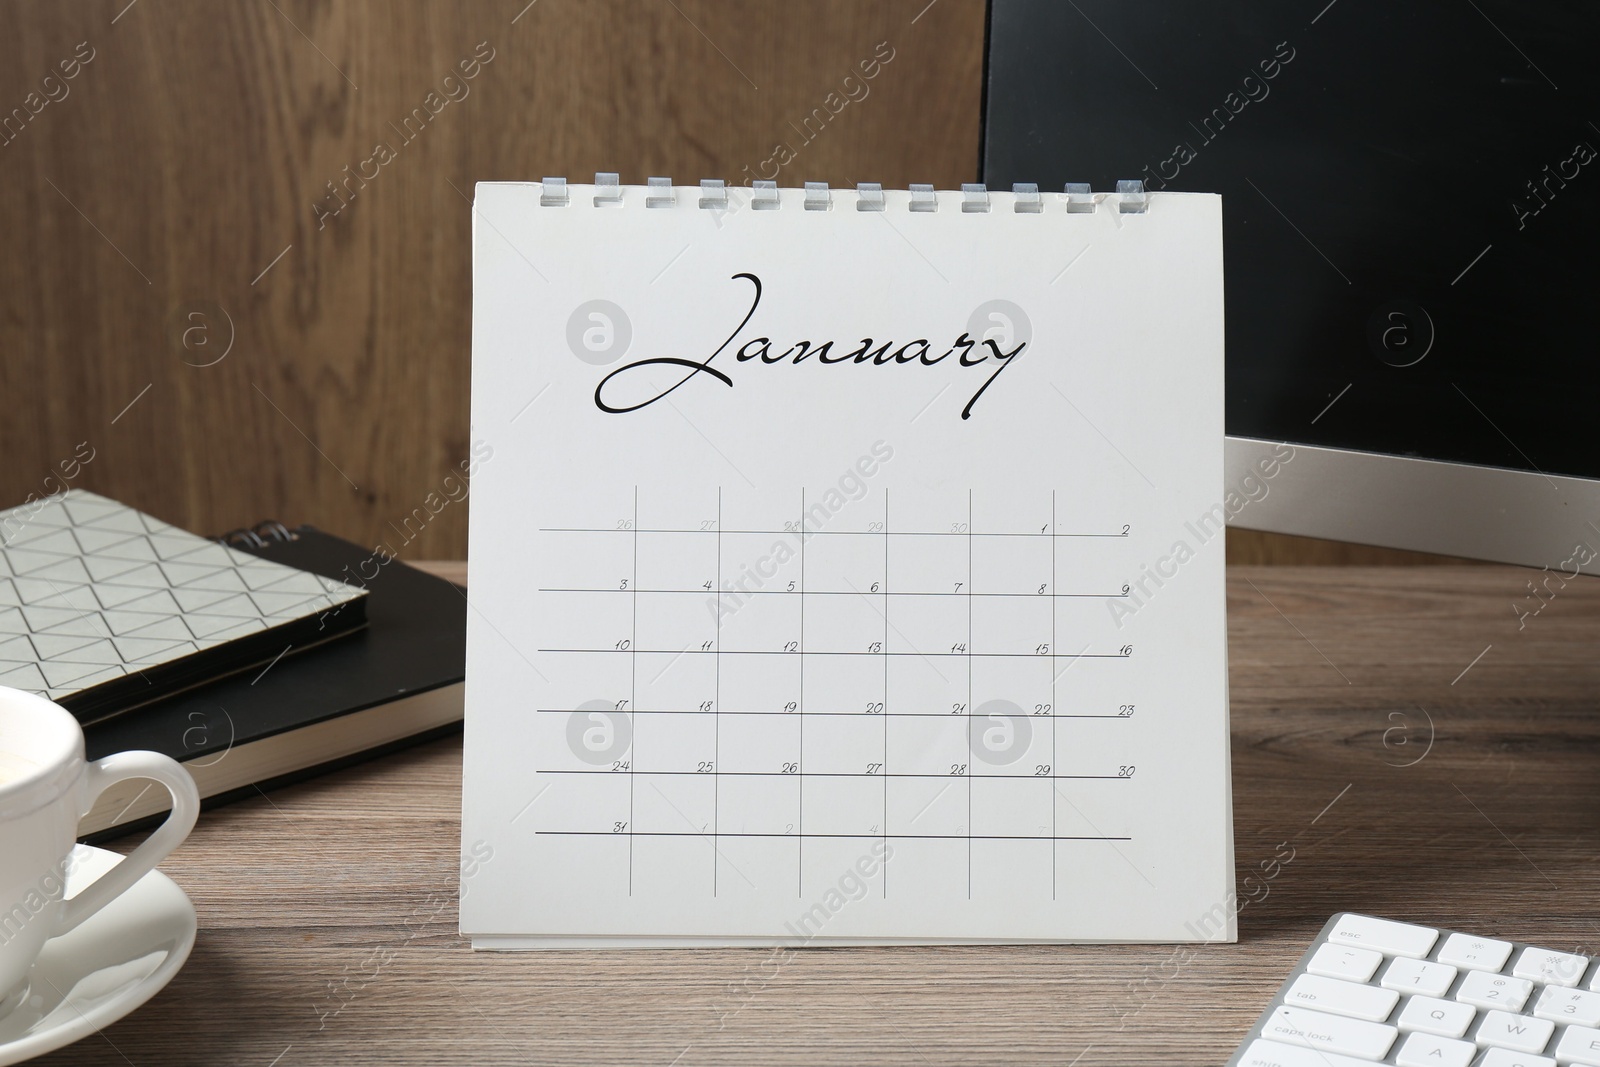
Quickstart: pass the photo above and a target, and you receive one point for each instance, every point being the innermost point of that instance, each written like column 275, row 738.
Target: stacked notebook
column 104, row 608
column 278, row 655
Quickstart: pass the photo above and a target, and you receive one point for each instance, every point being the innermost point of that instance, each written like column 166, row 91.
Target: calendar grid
column 633, row 683
column 850, row 774
column 716, row 720
column 886, row 684
column 833, row 533
column 825, row 652
column 843, row 837
column 857, row 592
column 968, row 651
column 800, row 708
column 816, row 714
column 884, row 598
column 1054, row 707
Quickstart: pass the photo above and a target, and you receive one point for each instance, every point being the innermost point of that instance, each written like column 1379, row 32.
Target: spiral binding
column 259, row 535
column 1130, row 197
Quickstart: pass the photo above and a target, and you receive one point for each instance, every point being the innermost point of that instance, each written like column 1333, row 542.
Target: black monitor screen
column 1410, row 200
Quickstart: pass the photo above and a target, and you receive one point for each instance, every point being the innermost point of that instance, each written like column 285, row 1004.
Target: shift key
column 1330, row 1033
column 1397, row 939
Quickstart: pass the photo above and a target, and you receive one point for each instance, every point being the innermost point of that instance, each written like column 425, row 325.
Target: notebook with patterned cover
column 104, row 608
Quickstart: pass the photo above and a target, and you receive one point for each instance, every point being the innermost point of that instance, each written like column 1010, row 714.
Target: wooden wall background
column 170, row 300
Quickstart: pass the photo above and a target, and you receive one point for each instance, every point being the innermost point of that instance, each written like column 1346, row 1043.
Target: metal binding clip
column 659, row 193
column 764, row 195
column 1079, row 198
column 974, row 197
column 1131, row 197
column 869, row 196
column 713, row 194
column 817, row 196
column 553, row 193
column 1028, row 202
column 923, row 198
column 607, row 190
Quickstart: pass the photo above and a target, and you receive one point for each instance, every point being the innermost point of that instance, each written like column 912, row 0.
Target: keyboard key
column 1373, row 991
column 1548, row 965
column 1447, row 1018
column 1418, row 976
column 1275, row 1054
column 1339, row 961
column 1474, row 953
column 1331, row 1033
column 1347, row 998
column 1518, row 1032
column 1568, row 1006
column 1494, row 991
column 1579, row 1044
column 1499, row 1057
column 1396, row 939
column 1429, row 1050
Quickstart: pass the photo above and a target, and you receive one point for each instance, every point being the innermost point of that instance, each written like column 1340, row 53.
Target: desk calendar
column 846, row 567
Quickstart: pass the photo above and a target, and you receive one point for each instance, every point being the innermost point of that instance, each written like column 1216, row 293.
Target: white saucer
column 118, row 959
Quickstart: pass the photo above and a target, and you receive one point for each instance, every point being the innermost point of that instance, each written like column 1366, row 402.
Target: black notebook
column 396, row 682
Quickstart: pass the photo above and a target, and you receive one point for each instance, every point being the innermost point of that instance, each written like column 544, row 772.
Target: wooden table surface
column 1424, row 757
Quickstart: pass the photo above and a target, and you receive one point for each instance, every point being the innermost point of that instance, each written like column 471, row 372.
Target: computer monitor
column 1411, row 204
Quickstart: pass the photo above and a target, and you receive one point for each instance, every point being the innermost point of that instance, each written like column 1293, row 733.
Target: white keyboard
column 1374, row 991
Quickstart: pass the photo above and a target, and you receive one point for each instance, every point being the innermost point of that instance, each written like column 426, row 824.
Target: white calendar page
column 780, row 635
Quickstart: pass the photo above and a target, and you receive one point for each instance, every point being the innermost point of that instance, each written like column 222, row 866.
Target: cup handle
column 168, row 836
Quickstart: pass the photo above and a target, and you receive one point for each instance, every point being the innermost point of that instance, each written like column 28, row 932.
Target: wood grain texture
column 181, row 169
column 1425, row 759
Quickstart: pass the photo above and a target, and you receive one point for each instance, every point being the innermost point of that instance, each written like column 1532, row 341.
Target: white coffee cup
column 46, row 786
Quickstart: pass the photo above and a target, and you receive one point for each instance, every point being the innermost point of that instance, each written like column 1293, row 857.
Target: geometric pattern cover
column 92, row 590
